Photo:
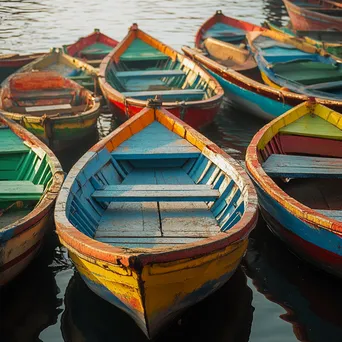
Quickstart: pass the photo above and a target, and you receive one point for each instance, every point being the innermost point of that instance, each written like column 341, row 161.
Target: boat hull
column 17, row 252
column 197, row 116
column 312, row 243
column 306, row 20
column 158, row 294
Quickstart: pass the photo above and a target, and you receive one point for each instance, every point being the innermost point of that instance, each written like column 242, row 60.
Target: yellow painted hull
column 160, row 291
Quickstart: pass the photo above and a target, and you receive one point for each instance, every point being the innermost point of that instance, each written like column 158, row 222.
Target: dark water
column 273, row 296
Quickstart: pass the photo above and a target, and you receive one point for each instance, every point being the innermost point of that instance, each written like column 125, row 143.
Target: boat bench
column 289, row 166
column 43, row 94
column 136, row 56
column 150, row 73
column 334, row 214
column 156, row 193
column 20, row 191
column 162, row 152
column 175, row 95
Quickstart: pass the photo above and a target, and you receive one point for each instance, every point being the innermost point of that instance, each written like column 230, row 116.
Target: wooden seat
column 175, row 95
column 150, row 73
column 334, row 214
column 156, row 193
column 325, row 85
column 20, row 190
column 289, row 166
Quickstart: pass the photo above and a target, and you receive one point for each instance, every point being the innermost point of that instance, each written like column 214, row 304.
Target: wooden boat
column 92, row 48
column 292, row 64
column 295, row 162
column 57, row 110
column 30, row 179
column 244, row 86
column 141, row 68
column 67, row 66
column 225, row 29
column 310, row 15
column 155, row 217
column 330, row 41
column 10, row 63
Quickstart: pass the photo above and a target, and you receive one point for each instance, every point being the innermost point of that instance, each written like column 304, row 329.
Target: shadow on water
column 311, row 298
column 224, row 316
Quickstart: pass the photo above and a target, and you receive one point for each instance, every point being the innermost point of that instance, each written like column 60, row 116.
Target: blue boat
column 287, row 62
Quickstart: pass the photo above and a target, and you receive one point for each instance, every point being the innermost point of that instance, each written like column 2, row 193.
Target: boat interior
column 305, row 160
column 155, row 189
column 66, row 66
column 44, row 93
column 225, row 33
column 24, row 175
column 144, row 72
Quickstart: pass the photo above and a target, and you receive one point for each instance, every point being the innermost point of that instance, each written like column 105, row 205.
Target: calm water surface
column 273, row 296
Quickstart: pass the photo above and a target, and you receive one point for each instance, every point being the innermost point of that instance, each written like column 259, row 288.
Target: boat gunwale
column 134, row 32
column 92, row 249
column 220, row 17
column 267, row 184
column 48, row 198
column 252, row 85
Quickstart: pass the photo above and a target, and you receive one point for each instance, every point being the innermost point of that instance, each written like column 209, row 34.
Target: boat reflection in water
column 30, row 304
column 312, row 299
column 224, row 316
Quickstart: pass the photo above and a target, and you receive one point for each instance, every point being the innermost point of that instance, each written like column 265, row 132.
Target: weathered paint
column 20, row 241
column 316, row 237
column 303, row 18
column 197, row 113
column 148, row 283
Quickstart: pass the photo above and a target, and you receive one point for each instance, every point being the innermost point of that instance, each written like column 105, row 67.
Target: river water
column 273, row 297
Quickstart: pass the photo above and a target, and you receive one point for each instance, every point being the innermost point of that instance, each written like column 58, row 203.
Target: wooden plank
column 47, row 108
column 11, row 143
column 155, row 195
column 179, row 94
column 149, row 241
column 334, row 214
column 19, row 187
column 278, row 165
column 149, row 73
column 154, row 187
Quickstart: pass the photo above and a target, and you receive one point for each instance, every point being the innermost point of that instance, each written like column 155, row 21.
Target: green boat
column 330, row 41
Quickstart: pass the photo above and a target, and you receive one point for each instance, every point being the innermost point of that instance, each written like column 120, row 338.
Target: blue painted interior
column 225, row 33
column 104, row 168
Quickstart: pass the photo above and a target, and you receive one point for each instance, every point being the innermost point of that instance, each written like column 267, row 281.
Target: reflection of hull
column 31, row 299
column 220, row 324
column 311, row 299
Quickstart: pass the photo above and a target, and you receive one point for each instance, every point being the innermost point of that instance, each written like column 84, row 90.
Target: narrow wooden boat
column 155, row 217
column 290, row 63
column 67, row 66
column 313, row 15
column 10, row 63
column 141, row 68
column 92, row 48
column 225, row 29
column 244, row 86
column 295, row 162
column 30, row 179
column 57, row 110
column 330, row 41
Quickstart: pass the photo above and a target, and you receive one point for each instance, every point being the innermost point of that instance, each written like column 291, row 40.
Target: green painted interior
column 312, row 126
column 307, row 73
column 24, row 174
column 96, row 49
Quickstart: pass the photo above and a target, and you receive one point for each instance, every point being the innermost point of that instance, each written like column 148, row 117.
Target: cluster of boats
column 155, row 216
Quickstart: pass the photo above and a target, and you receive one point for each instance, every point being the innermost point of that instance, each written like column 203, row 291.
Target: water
column 273, row 296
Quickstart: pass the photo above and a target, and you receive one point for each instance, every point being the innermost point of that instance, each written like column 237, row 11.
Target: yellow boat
column 155, row 217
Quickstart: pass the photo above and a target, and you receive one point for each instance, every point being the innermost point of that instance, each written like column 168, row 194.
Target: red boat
column 142, row 68
column 224, row 28
column 93, row 48
column 315, row 14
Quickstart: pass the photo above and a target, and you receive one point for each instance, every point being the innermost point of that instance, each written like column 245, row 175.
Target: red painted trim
column 219, row 17
column 88, row 247
column 19, row 60
column 20, row 257
column 306, row 20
